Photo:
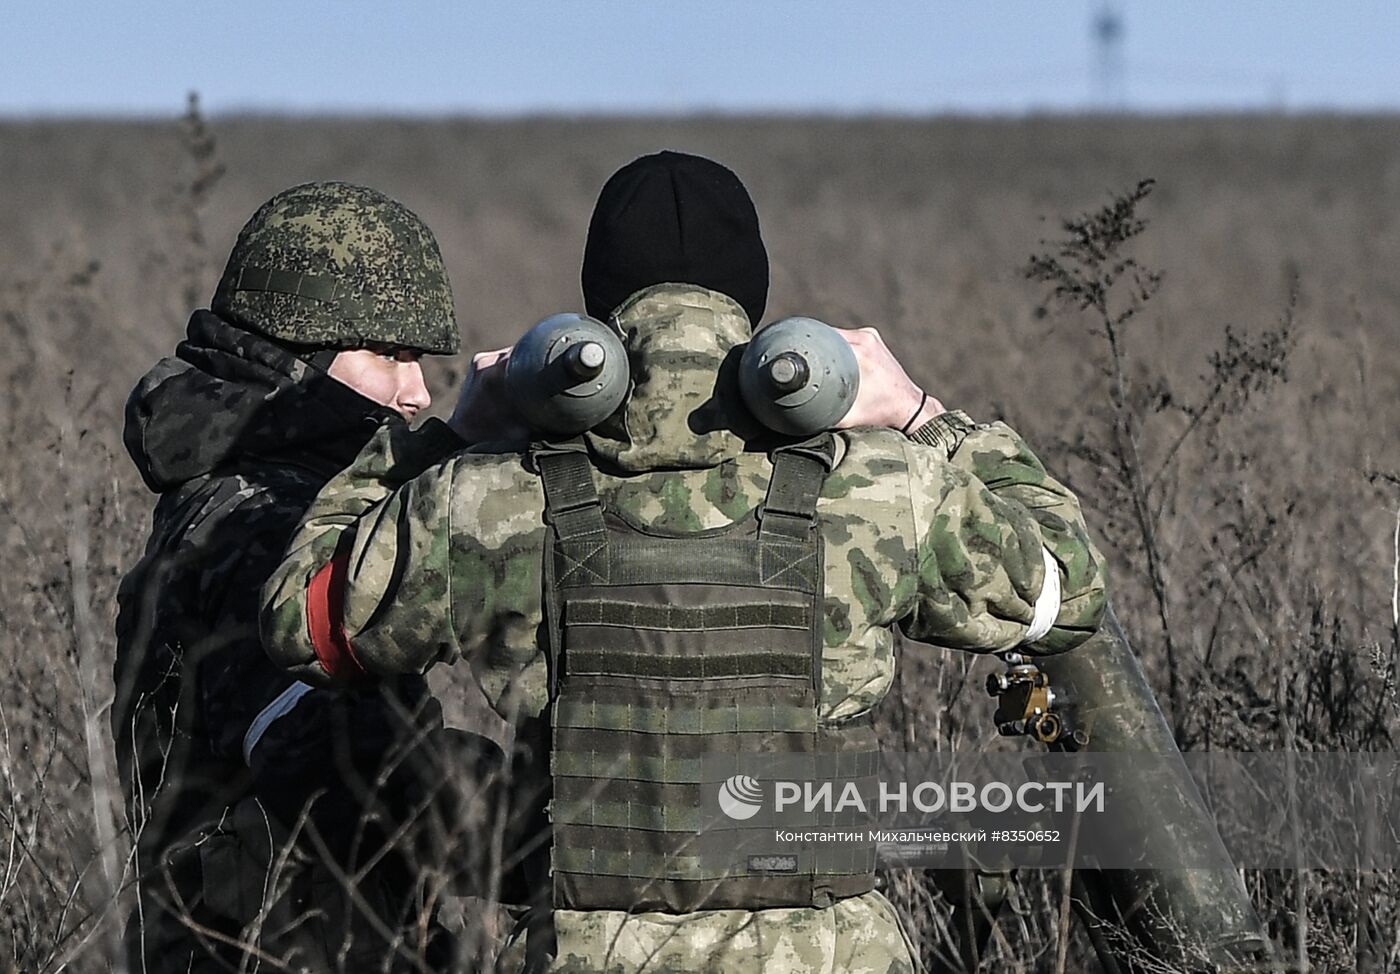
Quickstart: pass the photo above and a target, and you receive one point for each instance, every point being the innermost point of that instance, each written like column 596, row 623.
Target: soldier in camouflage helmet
column 332, row 294
column 339, row 266
column 690, row 589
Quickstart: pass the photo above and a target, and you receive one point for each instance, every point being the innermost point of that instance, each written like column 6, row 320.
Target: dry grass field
column 1252, row 527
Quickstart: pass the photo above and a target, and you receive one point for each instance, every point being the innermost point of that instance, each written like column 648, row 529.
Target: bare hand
column 887, row 396
column 484, row 412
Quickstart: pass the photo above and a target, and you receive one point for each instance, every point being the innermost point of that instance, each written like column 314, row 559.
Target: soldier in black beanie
column 674, row 218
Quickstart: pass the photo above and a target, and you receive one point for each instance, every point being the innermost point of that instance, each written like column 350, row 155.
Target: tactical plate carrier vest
column 666, row 650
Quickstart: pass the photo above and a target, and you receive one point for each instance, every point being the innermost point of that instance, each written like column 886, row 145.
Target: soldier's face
column 389, row 376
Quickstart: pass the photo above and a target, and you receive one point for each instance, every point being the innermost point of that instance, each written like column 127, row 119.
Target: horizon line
column 1088, row 113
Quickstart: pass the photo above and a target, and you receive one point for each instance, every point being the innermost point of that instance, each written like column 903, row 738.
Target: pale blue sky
column 498, row 57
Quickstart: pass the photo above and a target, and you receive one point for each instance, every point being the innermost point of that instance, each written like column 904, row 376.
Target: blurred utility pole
column 1110, row 86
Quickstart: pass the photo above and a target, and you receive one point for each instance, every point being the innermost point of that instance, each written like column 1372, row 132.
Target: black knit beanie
column 673, row 217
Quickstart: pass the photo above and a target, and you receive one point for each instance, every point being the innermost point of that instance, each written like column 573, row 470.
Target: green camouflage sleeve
column 348, row 517
column 997, row 456
column 449, row 566
column 982, row 544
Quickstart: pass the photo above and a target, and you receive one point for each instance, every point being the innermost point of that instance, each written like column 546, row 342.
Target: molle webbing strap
column 634, row 559
column 658, row 717
column 760, row 615
column 593, row 744
column 570, row 499
column 789, row 510
column 644, row 664
column 626, row 638
column 326, row 290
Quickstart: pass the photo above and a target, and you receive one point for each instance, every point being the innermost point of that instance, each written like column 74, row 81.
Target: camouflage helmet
column 341, row 266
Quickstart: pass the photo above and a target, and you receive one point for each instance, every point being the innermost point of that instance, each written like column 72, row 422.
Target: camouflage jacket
column 445, row 553
column 236, row 435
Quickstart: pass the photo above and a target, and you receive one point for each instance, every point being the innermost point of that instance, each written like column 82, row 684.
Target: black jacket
column 236, row 434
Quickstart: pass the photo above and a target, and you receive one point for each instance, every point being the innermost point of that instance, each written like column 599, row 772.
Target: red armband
column 325, row 620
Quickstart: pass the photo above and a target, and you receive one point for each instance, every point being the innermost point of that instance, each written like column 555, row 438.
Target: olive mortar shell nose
column 788, row 372
column 584, row 361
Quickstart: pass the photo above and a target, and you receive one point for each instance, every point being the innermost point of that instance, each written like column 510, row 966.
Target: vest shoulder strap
column 789, row 511
column 571, row 501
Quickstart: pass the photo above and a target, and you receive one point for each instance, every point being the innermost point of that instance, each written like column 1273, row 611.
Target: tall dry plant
column 1092, row 271
column 1156, row 451
column 204, row 171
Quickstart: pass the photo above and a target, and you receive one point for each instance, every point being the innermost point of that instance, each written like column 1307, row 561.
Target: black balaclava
column 678, row 218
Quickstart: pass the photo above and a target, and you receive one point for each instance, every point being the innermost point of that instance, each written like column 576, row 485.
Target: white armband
column 279, row 707
column 1047, row 606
